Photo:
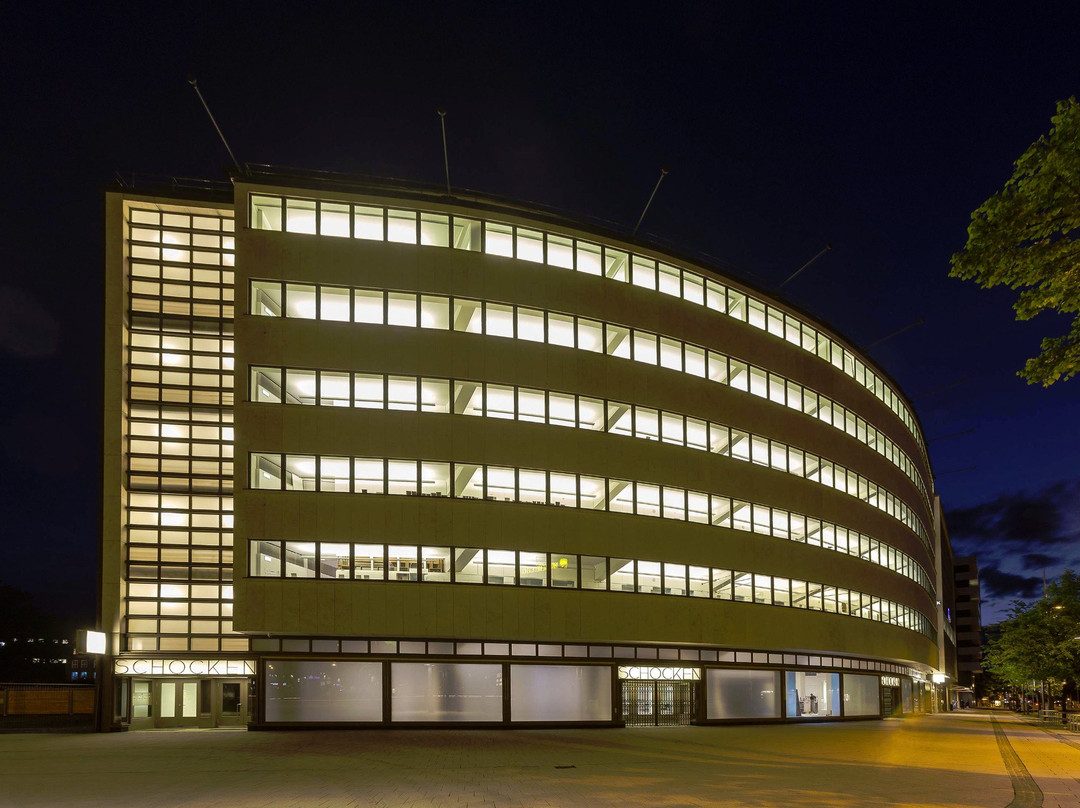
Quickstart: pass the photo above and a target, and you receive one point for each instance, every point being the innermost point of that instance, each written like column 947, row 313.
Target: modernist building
column 376, row 455
column 969, row 642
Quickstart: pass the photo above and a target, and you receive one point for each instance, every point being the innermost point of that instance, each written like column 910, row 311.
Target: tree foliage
column 1027, row 237
column 1038, row 640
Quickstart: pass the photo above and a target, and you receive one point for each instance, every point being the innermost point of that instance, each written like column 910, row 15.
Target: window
column 334, row 219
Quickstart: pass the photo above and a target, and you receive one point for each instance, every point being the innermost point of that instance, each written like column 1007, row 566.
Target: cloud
column 1020, row 520
column 1014, row 534
column 996, row 583
column 1034, row 561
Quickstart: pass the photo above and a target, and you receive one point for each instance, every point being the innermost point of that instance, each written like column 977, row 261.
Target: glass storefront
column 813, row 694
column 742, row 693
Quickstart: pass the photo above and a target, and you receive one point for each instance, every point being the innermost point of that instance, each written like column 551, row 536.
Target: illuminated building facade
column 375, row 455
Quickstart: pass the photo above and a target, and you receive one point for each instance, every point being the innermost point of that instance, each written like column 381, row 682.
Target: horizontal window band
column 475, row 481
column 357, row 390
column 419, row 310
column 453, row 565
column 537, row 245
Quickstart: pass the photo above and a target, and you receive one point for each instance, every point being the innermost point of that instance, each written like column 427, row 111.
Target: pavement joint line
column 1062, row 738
column 1026, row 792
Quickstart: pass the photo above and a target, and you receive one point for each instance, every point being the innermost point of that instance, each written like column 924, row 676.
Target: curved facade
column 489, row 466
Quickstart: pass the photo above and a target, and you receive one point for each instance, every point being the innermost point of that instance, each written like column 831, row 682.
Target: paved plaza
column 959, row 759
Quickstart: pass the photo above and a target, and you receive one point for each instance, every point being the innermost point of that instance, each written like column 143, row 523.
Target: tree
column 1027, row 237
column 1038, row 641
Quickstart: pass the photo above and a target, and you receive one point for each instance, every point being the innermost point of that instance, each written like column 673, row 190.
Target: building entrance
column 658, row 704
column 890, row 702
column 168, row 703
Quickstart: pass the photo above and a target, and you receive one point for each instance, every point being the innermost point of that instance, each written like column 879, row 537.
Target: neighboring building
column 969, row 641
column 374, row 454
column 29, row 658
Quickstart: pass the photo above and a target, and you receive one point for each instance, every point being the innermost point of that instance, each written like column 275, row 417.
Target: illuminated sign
column 133, row 666
column 890, row 681
column 89, row 642
column 939, row 678
column 658, row 673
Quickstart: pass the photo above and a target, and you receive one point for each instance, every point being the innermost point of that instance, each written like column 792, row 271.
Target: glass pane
column 368, row 223
column 446, row 691
column 368, row 475
column 560, row 330
column 530, row 245
column 564, row 570
column 560, row 693
column 590, row 335
column 369, row 562
column 467, row 316
column 560, row 252
column 299, row 559
column 594, row 572
column 563, row 489
column 436, row 563
column 499, row 401
column 616, row 264
column 299, row 473
column 588, row 258
column 434, row 312
column 333, row 219
column 264, row 560
column 300, row 299
column 368, row 305
column 333, row 560
column 368, row 391
column 498, row 320
column 435, row 479
column 742, row 693
column 334, row 304
column 334, row 474
column 266, row 385
column 265, row 213
column 434, row 230
column 532, row 486
column 401, row 309
column 649, row 580
column 644, row 271
column 498, row 239
column 266, row 471
column 300, row 215
column 401, row 226
column 168, row 700
column 334, row 389
column 300, row 386
column 401, row 562
column 674, row 579
column 323, row 691
column 401, row 475
column 435, row 395
column 621, row 574
column 530, row 325
column 266, row 298
column 466, row 234
column 468, row 565
column 531, row 405
column 532, row 569
column 401, row 393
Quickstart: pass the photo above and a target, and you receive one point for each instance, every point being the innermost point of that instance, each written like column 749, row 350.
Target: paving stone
column 924, row 761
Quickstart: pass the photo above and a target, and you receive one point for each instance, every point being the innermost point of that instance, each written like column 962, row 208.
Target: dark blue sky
column 877, row 127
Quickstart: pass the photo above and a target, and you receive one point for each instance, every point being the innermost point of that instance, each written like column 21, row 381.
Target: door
column 231, row 703
column 657, row 704
column 176, row 702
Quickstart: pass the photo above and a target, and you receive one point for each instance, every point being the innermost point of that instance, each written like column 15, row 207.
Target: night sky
column 876, row 127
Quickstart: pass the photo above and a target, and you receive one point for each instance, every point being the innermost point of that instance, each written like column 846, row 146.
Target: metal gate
column 658, row 704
